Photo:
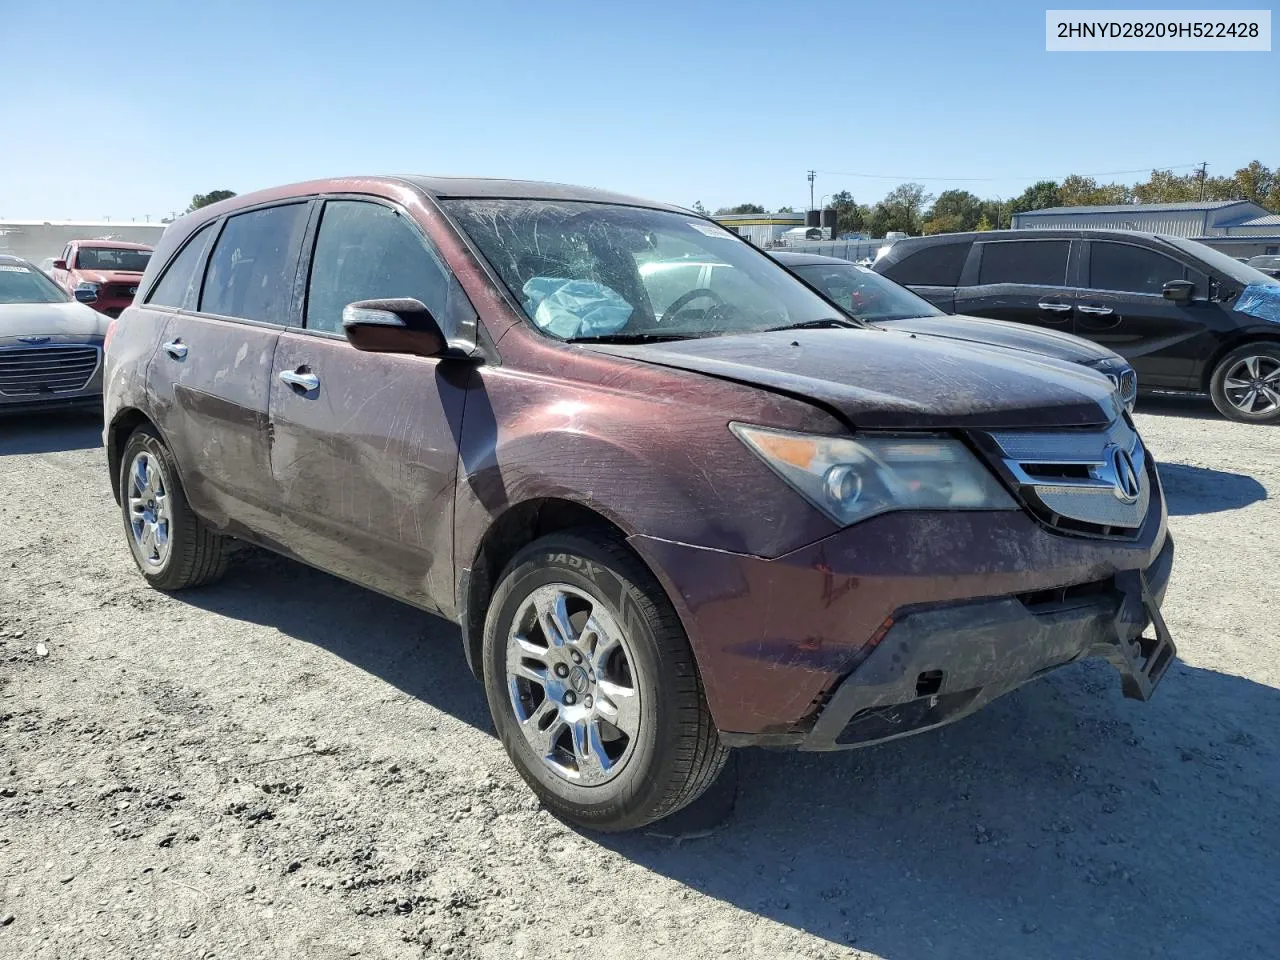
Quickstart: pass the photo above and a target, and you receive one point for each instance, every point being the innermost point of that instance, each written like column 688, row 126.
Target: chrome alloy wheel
column 571, row 682
column 1252, row 385
column 149, row 516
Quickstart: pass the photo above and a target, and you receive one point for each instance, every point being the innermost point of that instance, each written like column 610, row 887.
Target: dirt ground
column 284, row 765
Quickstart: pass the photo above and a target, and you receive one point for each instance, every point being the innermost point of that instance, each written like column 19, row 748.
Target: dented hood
column 880, row 378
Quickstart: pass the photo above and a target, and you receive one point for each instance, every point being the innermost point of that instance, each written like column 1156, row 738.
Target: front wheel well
column 509, row 534
column 122, row 427
column 1207, row 376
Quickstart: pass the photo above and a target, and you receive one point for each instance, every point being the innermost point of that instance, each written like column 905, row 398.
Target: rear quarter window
column 937, row 265
column 179, row 285
column 1041, row 263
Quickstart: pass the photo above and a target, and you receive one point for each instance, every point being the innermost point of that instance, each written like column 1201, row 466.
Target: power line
column 904, row 178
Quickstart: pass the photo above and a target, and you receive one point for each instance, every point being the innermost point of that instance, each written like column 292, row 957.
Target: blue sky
column 129, row 109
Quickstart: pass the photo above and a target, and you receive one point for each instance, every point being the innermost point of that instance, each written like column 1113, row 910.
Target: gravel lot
column 284, row 765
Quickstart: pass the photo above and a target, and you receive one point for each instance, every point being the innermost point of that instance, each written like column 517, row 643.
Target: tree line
column 911, row 209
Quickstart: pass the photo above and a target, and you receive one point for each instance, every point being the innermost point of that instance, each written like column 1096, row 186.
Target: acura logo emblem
column 1123, row 474
column 34, row 339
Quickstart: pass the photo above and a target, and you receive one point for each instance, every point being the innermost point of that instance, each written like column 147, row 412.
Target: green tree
column 942, row 223
column 699, row 208
column 1038, row 196
column 213, row 196
column 740, row 208
column 958, row 207
column 786, row 210
column 901, row 209
column 1259, row 183
column 983, row 223
column 1078, row 191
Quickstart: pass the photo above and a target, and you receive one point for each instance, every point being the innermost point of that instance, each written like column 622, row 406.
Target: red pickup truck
column 102, row 273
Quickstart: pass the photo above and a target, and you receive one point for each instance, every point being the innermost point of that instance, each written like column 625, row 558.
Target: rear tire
column 604, row 717
column 1245, row 386
column 173, row 548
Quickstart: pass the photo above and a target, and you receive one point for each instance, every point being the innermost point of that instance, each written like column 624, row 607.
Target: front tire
column 1245, row 386
column 593, row 687
column 173, row 548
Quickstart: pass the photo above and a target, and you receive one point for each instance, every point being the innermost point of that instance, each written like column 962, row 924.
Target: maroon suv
column 673, row 510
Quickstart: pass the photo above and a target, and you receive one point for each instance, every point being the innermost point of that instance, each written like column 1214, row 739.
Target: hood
column 108, row 276
column 879, row 378
column 1001, row 333
column 50, row 320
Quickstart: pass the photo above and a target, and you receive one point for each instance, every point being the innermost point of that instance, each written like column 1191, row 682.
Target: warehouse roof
column 1142, row 207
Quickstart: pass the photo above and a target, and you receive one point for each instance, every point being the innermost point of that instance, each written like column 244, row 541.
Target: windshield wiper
column 825, row 323
column 633, row 338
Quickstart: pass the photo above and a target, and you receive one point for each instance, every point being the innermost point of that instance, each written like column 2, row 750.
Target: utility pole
column 1204, row 172
column 812, row 175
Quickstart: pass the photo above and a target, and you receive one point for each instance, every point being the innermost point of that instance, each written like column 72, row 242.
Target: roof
column 803, row 259
column 111, row 244
column 1138, row 208
column 1270, row 220
column 759, row 219
column 487, row 188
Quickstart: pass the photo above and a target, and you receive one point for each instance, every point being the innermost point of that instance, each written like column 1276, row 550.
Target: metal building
column 35, row 240
column 762, row 229
column 1240, row 228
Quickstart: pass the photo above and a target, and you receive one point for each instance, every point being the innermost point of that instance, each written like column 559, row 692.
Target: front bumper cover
column 936, row 665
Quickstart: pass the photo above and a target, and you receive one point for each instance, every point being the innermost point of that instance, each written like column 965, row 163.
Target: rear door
column 932, row 272
column 1121, row 305
column 365, row 445
column 212, row 371
column 1023, row 281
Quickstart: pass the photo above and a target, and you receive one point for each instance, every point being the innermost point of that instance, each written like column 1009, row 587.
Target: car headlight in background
column 1123, row 378
column 850, row 480
column 86, row 292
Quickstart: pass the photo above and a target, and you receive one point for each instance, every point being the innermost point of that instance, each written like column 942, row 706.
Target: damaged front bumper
column 936, row 665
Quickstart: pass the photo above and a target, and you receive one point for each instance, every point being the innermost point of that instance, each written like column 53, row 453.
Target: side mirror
column 393, row 326
column 1179, row 291
column 59, row 264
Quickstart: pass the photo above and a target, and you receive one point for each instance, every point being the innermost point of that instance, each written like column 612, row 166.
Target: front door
column 1121, row 305
column 365, row 445
column 1023, row 281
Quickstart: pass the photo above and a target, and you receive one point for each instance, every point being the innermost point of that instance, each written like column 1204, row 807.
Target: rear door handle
column 1054, row 307
column 303, row 381
column 1095, row 311
column 176, row 349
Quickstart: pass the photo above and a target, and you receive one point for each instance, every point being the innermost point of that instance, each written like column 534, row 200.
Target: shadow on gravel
column 49, row 432
column 1191, row 490
column 1194, row 405
column 1061, row 822
column 414, row 651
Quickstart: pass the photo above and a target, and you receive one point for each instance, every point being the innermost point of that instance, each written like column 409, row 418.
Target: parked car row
column 677, row 499
column 1186, row 316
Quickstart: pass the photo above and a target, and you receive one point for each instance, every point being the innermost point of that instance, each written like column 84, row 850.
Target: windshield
column 112, row 258
column 865, row 294
column 21, row 283
column 1265, row 263
column 591, row 270
column 1233, row 268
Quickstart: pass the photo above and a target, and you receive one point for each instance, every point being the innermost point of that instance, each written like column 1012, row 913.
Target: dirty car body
column 858, row 533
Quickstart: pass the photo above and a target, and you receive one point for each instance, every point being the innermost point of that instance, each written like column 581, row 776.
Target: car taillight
column 111, row 332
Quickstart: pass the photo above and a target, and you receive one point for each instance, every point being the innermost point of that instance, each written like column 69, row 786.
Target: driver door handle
column 176, row 349
column 1095, row 311
column 1054, row 307
column 303, row 381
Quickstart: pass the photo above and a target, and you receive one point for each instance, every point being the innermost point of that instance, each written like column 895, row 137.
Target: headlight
column 851, row 480
column 86, row 292
column 1122, row 377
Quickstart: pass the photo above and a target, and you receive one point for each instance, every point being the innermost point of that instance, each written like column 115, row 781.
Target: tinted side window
column 1122, row 266
column 365, row 251
column 1041, row 263
column 251, row 270
column 180, row 283
column 934, row 266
